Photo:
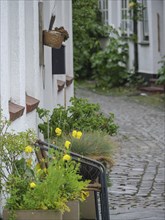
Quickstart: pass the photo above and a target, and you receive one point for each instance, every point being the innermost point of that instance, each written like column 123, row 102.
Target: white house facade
column 151, row 30
column 27, row 78
column 26, row 73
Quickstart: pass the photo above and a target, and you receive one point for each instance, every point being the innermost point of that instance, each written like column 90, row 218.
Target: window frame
column 145, row 25
column 103, row 7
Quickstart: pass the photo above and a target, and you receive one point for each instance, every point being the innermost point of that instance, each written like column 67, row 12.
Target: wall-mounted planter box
column 53, row 39
column 60, row 85
column 69, row 80
column 31, row 103
column 15, row 111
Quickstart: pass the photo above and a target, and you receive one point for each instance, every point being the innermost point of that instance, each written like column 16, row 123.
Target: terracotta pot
column 34, row 215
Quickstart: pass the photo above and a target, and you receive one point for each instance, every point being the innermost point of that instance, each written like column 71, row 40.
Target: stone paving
column 138, row 176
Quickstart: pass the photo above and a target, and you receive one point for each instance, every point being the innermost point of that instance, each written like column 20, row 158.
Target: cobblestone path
column 138, row 176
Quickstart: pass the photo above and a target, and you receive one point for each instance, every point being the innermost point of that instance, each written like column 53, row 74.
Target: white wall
column 20, row 72
column 19, row 61
column 149, row 56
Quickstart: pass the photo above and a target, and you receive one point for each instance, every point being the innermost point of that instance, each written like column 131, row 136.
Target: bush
column 161, row 73
column 110, row 65
column 81, row 115
column 87, row 28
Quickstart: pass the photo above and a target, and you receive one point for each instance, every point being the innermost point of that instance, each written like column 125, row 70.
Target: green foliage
column 135, row 10
column 95, row 144
column 55, row 186
column 81, row 115
column 25, row 185
column 110, row 65
column 161, row 72
column 87, row 29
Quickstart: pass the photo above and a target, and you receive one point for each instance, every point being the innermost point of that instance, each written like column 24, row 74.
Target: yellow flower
column 32, row 185
column 28, row 149
column 84, row 195
column 66, row 157
column 39, row 170
column 67, row 144
column 131, row 4
column 79, row 134
column 74, row 133
column 29, row 162
column 58, row 131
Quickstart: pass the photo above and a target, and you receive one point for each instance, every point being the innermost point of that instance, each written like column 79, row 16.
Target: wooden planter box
column 74, row 213
column 34, row 215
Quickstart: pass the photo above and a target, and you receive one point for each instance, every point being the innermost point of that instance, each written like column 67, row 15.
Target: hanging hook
column 52, row 20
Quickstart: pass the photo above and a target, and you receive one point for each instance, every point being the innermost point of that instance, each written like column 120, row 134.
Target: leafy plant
column 95, row 144
column 161, row 72
column 25, row 185
column 80, row 115
column 87, row 29
column 110, row 65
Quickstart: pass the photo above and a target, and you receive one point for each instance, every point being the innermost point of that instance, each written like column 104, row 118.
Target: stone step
column 153, row 89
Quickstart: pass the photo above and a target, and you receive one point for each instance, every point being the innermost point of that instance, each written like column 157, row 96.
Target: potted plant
column 29, row 191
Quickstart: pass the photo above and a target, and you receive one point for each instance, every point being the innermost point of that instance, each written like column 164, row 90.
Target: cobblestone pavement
column 138, row 176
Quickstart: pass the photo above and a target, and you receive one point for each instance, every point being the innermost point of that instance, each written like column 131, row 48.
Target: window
column 126, row 15
column 145, row 21
column 103, row 6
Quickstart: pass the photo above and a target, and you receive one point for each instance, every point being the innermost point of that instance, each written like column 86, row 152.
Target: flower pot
column 74, row 213
column 34, row 215
column 53, row 39
column 87, row 208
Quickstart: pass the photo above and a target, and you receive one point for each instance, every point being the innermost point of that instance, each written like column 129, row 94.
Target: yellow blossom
column 66, row 157
column 38, row 166
column 28, row 149
column 84, row 195
column 79, row 134
column 32, row 185
column 74, row 133
column 67, row 144
column 29, row 162
column 58, row 131
column 39, row 170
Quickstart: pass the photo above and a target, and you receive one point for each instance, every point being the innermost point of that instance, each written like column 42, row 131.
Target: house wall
column 149, row 54
column 20, row 70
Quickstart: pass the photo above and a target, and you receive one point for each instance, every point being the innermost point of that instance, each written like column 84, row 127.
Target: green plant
column 110, row 65
column 25, row 185
column 161, row 72
column 97, row 145
column 87, row 29
column 80, row 115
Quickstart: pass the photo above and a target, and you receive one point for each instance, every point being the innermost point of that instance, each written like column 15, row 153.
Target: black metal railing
column 101, row 196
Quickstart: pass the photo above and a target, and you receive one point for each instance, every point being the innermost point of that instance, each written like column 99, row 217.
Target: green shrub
column 95, row 144
column 81, row 115
column 110, row 65
column 161, row 73
column 87, row 28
